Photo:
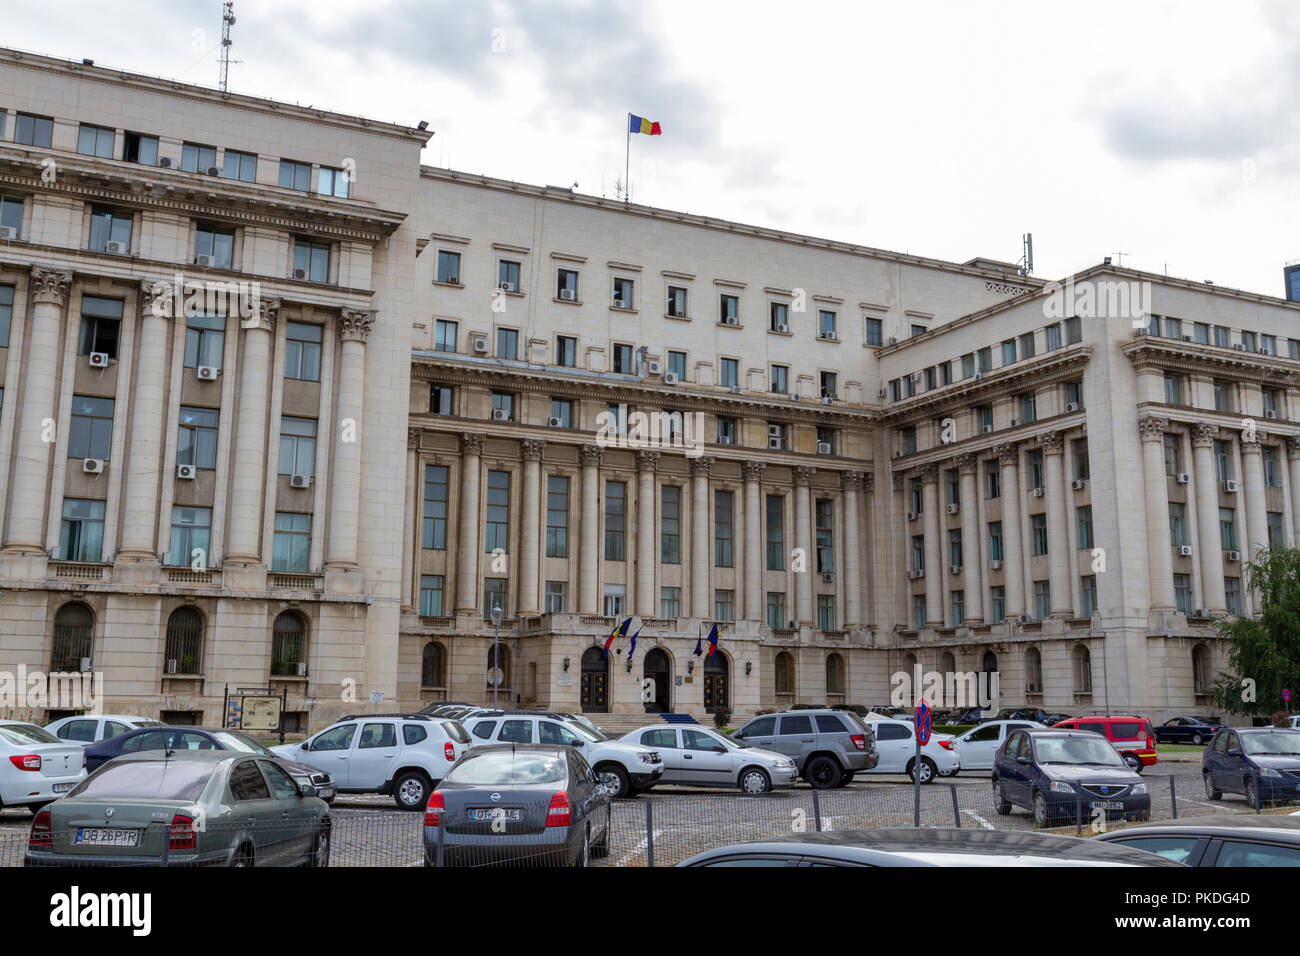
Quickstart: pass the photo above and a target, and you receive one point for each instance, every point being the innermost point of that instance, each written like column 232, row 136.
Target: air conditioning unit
column 620, row 304
column 1024, row 619
column 93, row 466
column 737, row 390
column 479, row 344
column 8, row 232
column 911, row 516
column 165, row 162
column 954, row 569
column 1015, row 422
column 730, row 320
column 899, row 453
column 882, row 393
column 115, row 248
column 1071, row 407
column 828, row 576
column 679, row 313
column 725, row 440
column 1239, row 347
column 915, row 573
column 828, row 399
column 987, row 429
column 555, row 422
column 793, row 396
column 1077, row 483
column 1264, row 350
column 1201, row 612
column 1032, row 687
column 569, row 295
column 670, row 378
column 893, row 340
column 1183, row 478
column 1184, row 550
column 507, row 287
column 825, row 335
column 213, row 171
column 1036, row 492
column 186, row 472
column 85, row 665
column 453, row 280
column 203, row 262
column 500, row 415
column 300, row 481
column 302, row 669
column 977, row 376
column 995, row 565
column 300, row 273
column 171, row 665
column 780, row 327
column 1232, row 555
column 207, row 373
column 654, row 367
column 99, row 360
column 1187, row 338
column 1231, row 487
column 953, row 507
column 1270, row 413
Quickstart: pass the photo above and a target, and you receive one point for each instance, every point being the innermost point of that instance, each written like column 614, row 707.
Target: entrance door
column 717, row 690
column 595, row 681
column 658, row 669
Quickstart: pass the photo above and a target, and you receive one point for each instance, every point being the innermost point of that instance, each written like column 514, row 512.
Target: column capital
column 1052, row 443
column 265, row 313
column 51, row 287
column 803, row 475
column 967, row 464
column 1250, row 440
column 851, row 480
column 590, row 455
column 156, row 297
column 647, row 460
column 702, row 467
column 471, row 444
column 753, row 470
column 530, row 449
column 1008, row 454
column 1293, row 447
column 1204, row 434
column 929, row 473
column 1153, row 427
column 413, row 437
column 899, row 480
column 355, row 324
column 868, row 482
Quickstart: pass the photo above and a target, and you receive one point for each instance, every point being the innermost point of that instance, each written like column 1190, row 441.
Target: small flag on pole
column 636, row 124
column 631, row 647
column 713, row 641
column 699, row 639
column 617, row 632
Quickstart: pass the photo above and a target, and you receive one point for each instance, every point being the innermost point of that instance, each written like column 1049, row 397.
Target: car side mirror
column 719, row 749
column 1234, row 752
column 307, row 790
column 1022, row 759
column 305, row 745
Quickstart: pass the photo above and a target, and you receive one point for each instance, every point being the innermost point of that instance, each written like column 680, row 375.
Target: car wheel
column 1250, row 792
column 411, row 790
column 1041, row 817
column 1134, row 762
column 614, row 778
column 1000, row 802
column 1197, row 739
column 243, row 856
column 1210, row 790
column 846, row 778
column 320, row 846
column 584, row 855
column 927, row 770
column 600, row 849
column 754, row 781
column 823, row 773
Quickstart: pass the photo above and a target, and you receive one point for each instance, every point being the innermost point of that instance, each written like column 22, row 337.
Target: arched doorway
column 594, row 696
column 658, row 668
column 717, row 683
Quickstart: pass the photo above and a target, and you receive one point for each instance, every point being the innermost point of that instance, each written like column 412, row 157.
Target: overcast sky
column 1163, row 131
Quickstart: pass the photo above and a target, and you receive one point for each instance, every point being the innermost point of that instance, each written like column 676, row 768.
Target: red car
column 1131, row 736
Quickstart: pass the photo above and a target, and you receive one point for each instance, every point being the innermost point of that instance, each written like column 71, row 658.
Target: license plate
column 324, row 794
column 496, row 813
column 63, row 787
column 1107, row 805
column 107, row 836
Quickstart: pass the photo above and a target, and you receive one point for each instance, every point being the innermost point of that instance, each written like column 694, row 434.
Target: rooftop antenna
column 227, row 21
column 1119, row 258
column 1027, row 260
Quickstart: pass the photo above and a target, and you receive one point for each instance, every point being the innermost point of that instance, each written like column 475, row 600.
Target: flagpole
column 627, row 159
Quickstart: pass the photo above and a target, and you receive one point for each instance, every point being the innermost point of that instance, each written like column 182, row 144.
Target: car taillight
column 450, row 750
column 183, row 836
column 26, row 762
column 40, row 835
column 945, row 744
column 83, row 760
column 1151, row 742
column 559, row 814
column 434, row 811
column 859, row 741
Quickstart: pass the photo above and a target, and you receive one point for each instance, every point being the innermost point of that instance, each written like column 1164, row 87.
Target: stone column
column 345, row 483
column 1207, row 517
column 903, row 543
column 851, row 483
column 754, row 559
column 1159, row 544
column 701, row 469
column 1058, row 535
column 589, row 548
column 1252, row 469
column 971, row 569
column 934, row 564
column 467, row 544
column 646, row 534
column 32, row 449
column 1013, row 566
column 530, row 533
column 804, row 540
column 1293, row 457
column 414, row 501
column 250, row 436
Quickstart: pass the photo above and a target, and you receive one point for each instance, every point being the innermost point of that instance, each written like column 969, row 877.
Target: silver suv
column 828, row 746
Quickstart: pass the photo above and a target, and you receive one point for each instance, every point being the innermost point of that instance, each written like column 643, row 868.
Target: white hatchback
column 35, row 766
column 896, row 745
column 977, row 747
column 88, row 729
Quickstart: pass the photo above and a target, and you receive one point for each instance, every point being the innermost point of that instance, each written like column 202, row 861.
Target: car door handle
column 687, row 757
column 806, row 740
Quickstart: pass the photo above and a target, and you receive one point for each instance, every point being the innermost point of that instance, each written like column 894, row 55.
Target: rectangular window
column 730, row 372
column 334, row 182
column 302, row 348
column 1268, row 400
column 566, row 351
column 825, row 510
column 1085, row 527
column 1074, row 393
column 826, row 612
column 430, row 595
column 291, row 546
column 1028, row 408
column 562, row 412
column 1183, row 593
column 874, row 330
column 909, row 440
column 615, row 600
column 503, row 406
column 449, row 267
column 677, row 301
column 724, row 603
column 297, row 446
column 954, row 547
column 6, row 314
column 776, row 610
column 1293, row 348
column 241, row 166
column 775, row 533
column 497, row 515
column 557, row 516
column 11, row 215
column 566, row 285
column 1275, row 539
column 1088, row 590
column 311, row 260
column 196, row 158
column 440, row 399
column 1053, row 333
column 191, row 533
column 1173, row 389
column 722, row 529
column 995, row 540
column 1038, row 531
column 1221, row 337
column 968, row 365
column 1200, row 333
column 780, row 317
column 615, row 517
column 1268, row 343
column 1042, row 599
column 1227, row 529
column 1223, row 460
column 556, row 596
column 677, row 365
column 623, row 359
column 825, row 440
column 508, row 275
column 952, row 486
column 1173, row 329
column 1009, row 352
column 197, row 440
column 917, row 489
column 1232, row 595
column 494, row 595
column 295, row 175
column 434, row 524
column 918, row 552
column 82, row 536
column 984, row 357
column 670, row 602
column 670, row 523
column 110, row 225
column 958, row 608
column 1248, row 341
column 729, row 309
column 1173, row 454
column 918, row 611
column 826, row 324
column 1073, row 331
column 445, row 336
column 623, row 293
column 1222, row 396
column 95, row 141
column 1269, row 461
column 90, row 434
column 1027, row 345
column 992, row 478
column 780, row 379
column 1035, row 461
column 1177, row 523
column 1082, row 466
column 508, row 344
column 32, row 130
column 829, row 385
column 998, row 603
column 217, row 244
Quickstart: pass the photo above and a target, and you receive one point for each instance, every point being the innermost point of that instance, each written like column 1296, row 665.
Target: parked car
column 212, row 807
column 1260, row 763
column 402, row 755
column 895, row 741
column 977, row 748
column 860, row 709
column 1185, row 730
column 704, row 758
column 1131, row 737
column 90, row 728
column 518, row 803
column 1053, row 719
column 585, row 721
column 932, row 846
column 1056, row 774
column 967, row 715
column 887, row 710
column 625, row 769
column 438, row 708
column 1022, row 713
column 1293, row 721
column 36, row 766
column 827, row 746
column 1233, row 840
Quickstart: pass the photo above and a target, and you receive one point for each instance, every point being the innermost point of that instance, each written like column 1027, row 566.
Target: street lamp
column 496, row 653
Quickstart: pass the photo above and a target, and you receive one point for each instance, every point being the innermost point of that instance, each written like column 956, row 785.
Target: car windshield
column 1283, row 743
column 455, row 731
column 584, row 722
column 501, row 768
column 241, row 742
column 23, row 734
column 146, row 780
column 1076, row 750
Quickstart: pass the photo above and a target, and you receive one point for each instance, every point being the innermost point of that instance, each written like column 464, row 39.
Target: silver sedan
column 697, row 757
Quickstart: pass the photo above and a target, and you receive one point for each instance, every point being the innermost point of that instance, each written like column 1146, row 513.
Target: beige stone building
column 853, row 461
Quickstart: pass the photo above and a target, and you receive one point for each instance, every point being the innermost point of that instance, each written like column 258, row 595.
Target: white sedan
column 977, row 747
column 35, row 766
column 896, row 745
column 697, row 757
column 89, row 729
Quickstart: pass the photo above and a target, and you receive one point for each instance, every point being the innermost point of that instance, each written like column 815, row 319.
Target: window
column 73, row 638
column 1027, row 345
column 1200, row 333
column 215, row 243
column 1028, row 408
column 311, row 260
column 623, row 293
column 1269, row 461
column 198, row 159
column 1183, row 593
column 1248, row 341
column 95, row 141
column 557, row 593
column 494, row 595
column 1082, row 466
column 1042, row 599
column 1268, row 400
column 918, row 552
column 433, row 659
column 998, row 602
column 724, row 605
column 566, row 285
column 431, row 597
column 984, row 418
column 562, row 412
column 191, row 532
column 874, row 331
column 1173, row 389
column 958, row 607
column 824, row 508
column 241, row 166
column 503, row 406
column 1173, row 329
column 1073, row 331
column 1293, row 348
column 954, row 547
column 615, row 600
column 445, row 336
column 780, row 379
column 918, row 330
column 449, row 267
column 825, row 440
column 497, row 515
column 101, row 320
column 1221, row 337
column 297, row 446
column 302, row 348
column 1074, row 393
column 670, row 512
column 894, row 390
column 1009, row 352
column 1223, row 460
column 622, row 355
column 729, row 309
column 984, row 357
column 1035, row 462
column 433, row 531
column 110, row 225
column 677, row 365
column 952, row 485
column 289, row 649
column 618, row 418
column 91, row 430
column 1053, row 333
column 1268, row 344
column 670, row 602
column 1038, row 532
column 729, row 372
column 6, row 313
column 615, row 519
column 1088, row 591
column 992, row 479
column 1274, row 521
column 34, row 130
column 918, row 611
column 825, row 324
column 11, row 215
column 917, row 490
column 557, row 516
column 197, row 438
column 1085, row 527
column 779, row 314
column 508, row 275
column 440, row 399
column 909, row 441
column 82, row 537
column 334, row 182
column 566, row 351
column 722, row 529
column 826, row 612
column 1227, row 529
column 1222, row 396
column 677, row 301
column 829, row 385
column 295, row 175
column 995, row 540
column 776, row 612
column 291, row 546
column 1173, row 454
column 1232, row 595
column 508, row 344
column 1177, row 523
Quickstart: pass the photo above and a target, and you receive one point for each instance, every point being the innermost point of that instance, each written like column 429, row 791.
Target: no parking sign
column 923, row 722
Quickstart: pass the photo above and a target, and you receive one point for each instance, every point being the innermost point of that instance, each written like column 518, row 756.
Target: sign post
column 923, row 717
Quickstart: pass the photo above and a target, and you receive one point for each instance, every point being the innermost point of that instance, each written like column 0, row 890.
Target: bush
column 721, row 718
column 1281, row 718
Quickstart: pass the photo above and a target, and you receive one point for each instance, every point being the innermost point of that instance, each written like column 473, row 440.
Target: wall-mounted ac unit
column 823, row 448
column 93, row 466
column 825, row 335
column 725, row 440
column 8, row 232
column 1183, row 478
column 679, row 313
column 213, row 171
column 893, row 340
column 302, row 669
column 737, row 390
column 882, row 393
column 85, row 665
column 171, row 665
column 670, row 378
column 507, row 287
column 1270, row 413
column 1015, row 422
column 186, row 472
column 781, row 327
column 479, row 345
column 115, row 248
column 1025, row 619
column 1071, row 407
column 620, row 304
column 207, row 373
column 987, row 429
column 300, row 481
column 899, row 453
column 1239, row 347
column 203, row 262
column 977, row 376
column 300, row 273
column 99, row 360
column 453, row 280
column 995, row 565
column 730, row 320
column 1036, row 492
column 953, row 507
column 1077, row 483
column 915, row 573
column 828, row 399
column 775, row 444
column 954, row 569
column 1187, row 338
column 1185, row 550
column 1231, row 487
column 1201, row 613
column 569, row 295
column 1032, row 687
column 654, row 367
column 911, row 516
column 1232, row 555
column 555, row 422
column 828, row 576
column 500, row 415
column 793, row 396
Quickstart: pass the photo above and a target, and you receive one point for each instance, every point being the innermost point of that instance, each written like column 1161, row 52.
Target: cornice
column 1147, row 351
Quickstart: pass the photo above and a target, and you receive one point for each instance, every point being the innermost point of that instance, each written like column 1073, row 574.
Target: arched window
column 834, row 674
column 1034, row 671
column 183, row 652
column 947, row 664
column 1082, row 659
column 74, row 627
column 498, row 659
column 433, row 666
column 784, row 673
column 990, row 663
column 909, row 663
column 1201, row 669
column 289, row 645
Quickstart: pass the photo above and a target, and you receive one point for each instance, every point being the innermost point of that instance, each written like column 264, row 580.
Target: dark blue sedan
column 1260, row 763
column 1186, row 730
column 1059, row 775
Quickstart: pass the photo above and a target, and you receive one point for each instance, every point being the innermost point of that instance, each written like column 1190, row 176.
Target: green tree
column 1264, row 649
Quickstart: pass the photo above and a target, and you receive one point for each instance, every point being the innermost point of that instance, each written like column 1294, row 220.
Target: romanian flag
column 713, row 641
column 617, row 632
column 635, row 124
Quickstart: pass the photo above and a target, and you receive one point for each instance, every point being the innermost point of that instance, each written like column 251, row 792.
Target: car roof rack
column 402, row 716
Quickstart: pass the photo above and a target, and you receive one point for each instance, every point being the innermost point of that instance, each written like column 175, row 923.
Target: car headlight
column 1269, row 772
column 1139, row 788
column 1059, row 786
column 648, row 758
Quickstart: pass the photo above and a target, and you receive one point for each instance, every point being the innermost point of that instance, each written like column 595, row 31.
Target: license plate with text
column 495, row 813
column 107, row 836
column 1107, row 805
